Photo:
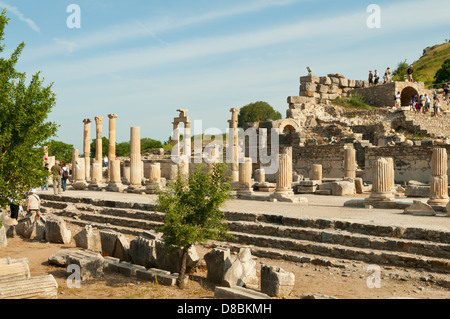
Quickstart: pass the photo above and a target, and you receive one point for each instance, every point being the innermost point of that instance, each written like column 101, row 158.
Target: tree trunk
column 182, row 275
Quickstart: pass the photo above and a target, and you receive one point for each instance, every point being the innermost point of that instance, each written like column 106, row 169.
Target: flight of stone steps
column 323, row 241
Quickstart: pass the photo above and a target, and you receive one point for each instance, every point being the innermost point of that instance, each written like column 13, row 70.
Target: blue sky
column 143, row 60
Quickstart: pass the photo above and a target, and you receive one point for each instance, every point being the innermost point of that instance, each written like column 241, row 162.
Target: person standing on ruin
column 56, row 175
column 370, row 78
column 410, row 74
column 64, row 176
column 376, row 78
column 387, row 75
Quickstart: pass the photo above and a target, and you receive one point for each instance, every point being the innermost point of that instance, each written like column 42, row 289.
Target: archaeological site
column 320, row 198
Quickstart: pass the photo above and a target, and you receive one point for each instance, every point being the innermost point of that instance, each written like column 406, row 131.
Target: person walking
column 56, row 175
column 422, row 104
column 370, row 78
column 64, row 176
column 105, row 161
column 387, row 75
column 376, row 78
column 436, row 104
column 427, row 103
column 397, row 100
column 33, row 205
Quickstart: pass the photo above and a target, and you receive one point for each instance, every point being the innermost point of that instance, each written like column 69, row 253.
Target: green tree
column 24, row 109
column 443, row 74
column 60, row 150
column 105, row 146
column 149, row 144
column 399, row 73
column 123, row 149
column 192, row 210
column 257, row 112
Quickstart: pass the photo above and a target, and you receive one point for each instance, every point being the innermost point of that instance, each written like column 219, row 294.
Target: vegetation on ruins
column 24, row 108
column 355, row 101
column 257, row 112
column 62, row 151
column 192, row 208
column 400, row 72
column 443, row 74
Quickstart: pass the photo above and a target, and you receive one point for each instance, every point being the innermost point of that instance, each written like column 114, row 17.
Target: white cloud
column 21, row 16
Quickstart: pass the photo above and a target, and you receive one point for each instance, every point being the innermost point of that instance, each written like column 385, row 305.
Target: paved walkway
column 327, row 207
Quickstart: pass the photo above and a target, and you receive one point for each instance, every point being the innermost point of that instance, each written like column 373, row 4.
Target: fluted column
column 284, row 174
column 98, row 139
column 75, row 155
column 187, row 140
column 115, row 180
column 350, row 163
column 87, row 147
column 382, row 181
column 154, row 178
column 111, row 142
column 317, row 171
column 176, row 142
column 439, row 177
column 245, row 176
column 233, row 148
column 135, row 158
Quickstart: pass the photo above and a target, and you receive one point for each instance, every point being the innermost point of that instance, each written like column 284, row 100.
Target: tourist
column 436, row 103
column 370, row 78
column 410, row 74
column 387, row 75
column 397, row 100
column 14, row 207
column 427, row 103
column 33, row 205
column 413, row 103
column 56, row 175
column 45, row 177
column 422, row 103
column 105, row 161
column 376, row 77
column 64, row 176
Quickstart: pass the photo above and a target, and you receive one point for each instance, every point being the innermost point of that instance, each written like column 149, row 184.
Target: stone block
column 142, row 251
column 359, row 185
column 419, row 208
column 88, row 239
column 128, row 269
column 56, row 231
column 448, row 208
column 333, row 89
column 343, row 188
column 310, row 87
column 158, row 276
column 91, row 263
column 343, row 83
column 325, row 80
column 3, row 239
column 39, row 287
column 218, row 261
column 275, row 282
column 334, row 80
column 321, row 88
column 309, row 79
column 40, row 229
column 242, row 271
column 238, row 293
column 171, row 261
column 25, row 227
column 422, row 191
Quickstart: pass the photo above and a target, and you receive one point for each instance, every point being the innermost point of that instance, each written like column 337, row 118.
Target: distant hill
column 431, row 61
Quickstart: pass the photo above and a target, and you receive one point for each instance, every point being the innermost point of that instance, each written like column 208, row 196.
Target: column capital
column 99, row 120
column 112, row 116
column 87, row 121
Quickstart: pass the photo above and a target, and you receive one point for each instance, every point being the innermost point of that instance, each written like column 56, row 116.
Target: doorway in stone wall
column 407, row 95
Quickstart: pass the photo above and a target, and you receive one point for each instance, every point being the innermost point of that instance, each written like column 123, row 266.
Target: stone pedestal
column 80, row 175
column 97, row 174
column 154, row 179
column 350, row 163
column 245, row 177
column 439, row 178
column 316, row 174
column 115, row 181
column 382, row 188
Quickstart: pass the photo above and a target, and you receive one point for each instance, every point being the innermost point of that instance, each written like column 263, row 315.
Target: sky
column 143, row 60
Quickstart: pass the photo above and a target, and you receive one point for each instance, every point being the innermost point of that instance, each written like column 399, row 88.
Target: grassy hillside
column 426, row 67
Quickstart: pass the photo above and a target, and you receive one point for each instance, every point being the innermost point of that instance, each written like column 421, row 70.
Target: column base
column 79, row 186
column 381, row 197
column 438, row 202
column 287, row 198
column 115, row 187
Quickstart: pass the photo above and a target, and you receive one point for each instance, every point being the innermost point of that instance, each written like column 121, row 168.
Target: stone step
column 372, row 256
column 345, row 238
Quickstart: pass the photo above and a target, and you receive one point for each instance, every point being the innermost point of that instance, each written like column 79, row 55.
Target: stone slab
column 238, row 293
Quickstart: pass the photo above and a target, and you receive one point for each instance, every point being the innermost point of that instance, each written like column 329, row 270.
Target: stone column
column 87, row 147
column 187, row 140
column 75, row 155
column 135, row 158
column 260, row 175
column 176, row 142
column 382, row 180
column 284, row 174
column 439, row 178
column 245, row 177
column 233, row 147
column 98, row 139
column 115, row 180
column 183, row 167
column 317, row 172
column 350, row 163
column 80, row 174
column 96, row 175
column 154, row 179
column 111, row 142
